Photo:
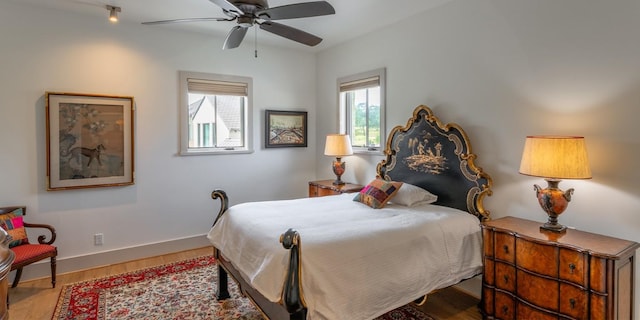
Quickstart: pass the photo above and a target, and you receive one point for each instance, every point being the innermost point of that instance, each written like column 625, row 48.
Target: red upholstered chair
column 11, row 220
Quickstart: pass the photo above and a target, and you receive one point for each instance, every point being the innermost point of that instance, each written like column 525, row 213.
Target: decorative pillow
column 410, row 195
column 378, row 192
column 13, row 223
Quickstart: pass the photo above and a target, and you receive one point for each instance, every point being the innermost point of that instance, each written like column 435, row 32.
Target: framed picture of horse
column 89, row 140
column 285, row 129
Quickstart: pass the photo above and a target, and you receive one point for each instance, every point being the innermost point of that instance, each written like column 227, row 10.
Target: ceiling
column 353, row 18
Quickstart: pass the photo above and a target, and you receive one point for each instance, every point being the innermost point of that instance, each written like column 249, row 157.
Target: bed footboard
column 293, row 305
column 222, row 291
column 292, row 293
column 224, row 203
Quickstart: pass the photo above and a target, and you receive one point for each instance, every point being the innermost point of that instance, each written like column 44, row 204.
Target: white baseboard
column 42, row 269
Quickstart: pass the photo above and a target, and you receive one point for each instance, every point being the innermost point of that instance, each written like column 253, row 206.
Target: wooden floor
column 36, row 299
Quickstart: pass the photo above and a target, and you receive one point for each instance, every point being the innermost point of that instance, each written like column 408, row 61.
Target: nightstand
column 534, row 274
column 323, row 188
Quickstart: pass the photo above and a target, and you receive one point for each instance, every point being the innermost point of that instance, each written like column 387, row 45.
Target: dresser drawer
column 598, row 307
column 505, row 247
column 505, row 306
column 539, row 291
column 489, row 272
column 572, row 266
column 488, row 300
column 321, row 192
column 539, row 258
column 323, row 188
column 573, row 301
column 598, row 274
column 313, row 191
column 487, row 243
column 506, row 278
column 526, row 312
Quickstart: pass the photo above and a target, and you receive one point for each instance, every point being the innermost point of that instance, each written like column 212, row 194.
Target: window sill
column 213, row 152
column 379, row 152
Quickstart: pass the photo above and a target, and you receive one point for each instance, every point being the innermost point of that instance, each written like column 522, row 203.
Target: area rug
column 183, row 290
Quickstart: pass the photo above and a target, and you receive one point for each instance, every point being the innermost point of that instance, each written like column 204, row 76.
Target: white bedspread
column 357, row 262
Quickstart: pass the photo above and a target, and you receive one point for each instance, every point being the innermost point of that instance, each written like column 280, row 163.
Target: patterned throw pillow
column 13, row 223
column 378, row 192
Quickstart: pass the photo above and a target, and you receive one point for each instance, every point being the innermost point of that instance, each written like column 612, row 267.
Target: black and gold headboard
column 438, row 158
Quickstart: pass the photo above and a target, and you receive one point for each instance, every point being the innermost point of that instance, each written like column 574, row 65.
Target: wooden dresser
column 534, row 274
column 323, row 188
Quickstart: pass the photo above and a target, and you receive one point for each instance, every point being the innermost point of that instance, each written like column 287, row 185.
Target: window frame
column 345, row 115
column 185, row 150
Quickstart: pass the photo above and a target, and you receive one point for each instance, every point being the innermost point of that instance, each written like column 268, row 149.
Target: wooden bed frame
column 426, row 153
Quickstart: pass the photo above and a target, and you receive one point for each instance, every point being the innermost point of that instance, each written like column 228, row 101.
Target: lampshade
column 555, row 157
column 338, row 145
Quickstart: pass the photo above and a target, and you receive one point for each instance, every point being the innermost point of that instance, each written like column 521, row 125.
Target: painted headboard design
column 438, row 158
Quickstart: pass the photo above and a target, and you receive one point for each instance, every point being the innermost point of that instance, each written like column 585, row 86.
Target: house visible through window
column 362, row 110
column 216, row 112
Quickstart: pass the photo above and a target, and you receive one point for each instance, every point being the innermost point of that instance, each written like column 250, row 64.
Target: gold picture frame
column 89, row 140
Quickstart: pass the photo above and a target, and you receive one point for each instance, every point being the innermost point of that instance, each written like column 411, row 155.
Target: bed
column 337, row 258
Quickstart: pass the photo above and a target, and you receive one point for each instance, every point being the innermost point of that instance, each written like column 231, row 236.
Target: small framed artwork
column 285, row 129
column 89, row 140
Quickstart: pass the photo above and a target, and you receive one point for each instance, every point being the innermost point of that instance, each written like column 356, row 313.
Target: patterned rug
column 183, row 290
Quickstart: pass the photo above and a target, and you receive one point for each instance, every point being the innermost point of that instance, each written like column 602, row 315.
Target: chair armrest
column 4, row 210
column 42, row 239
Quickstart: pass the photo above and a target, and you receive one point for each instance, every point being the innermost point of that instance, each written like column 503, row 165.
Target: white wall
column 45, row 50
column 505, row 69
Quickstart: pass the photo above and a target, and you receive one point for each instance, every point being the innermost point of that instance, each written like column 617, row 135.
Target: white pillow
column 410, row 195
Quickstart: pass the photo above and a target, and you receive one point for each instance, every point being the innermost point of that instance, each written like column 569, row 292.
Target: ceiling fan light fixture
column 113, row 13
column 245, row 21
column 248, row 13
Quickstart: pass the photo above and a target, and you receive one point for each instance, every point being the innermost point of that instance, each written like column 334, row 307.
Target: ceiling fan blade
column 187, row 20
column 290, row 33
column 297, row 10
column 228, row 6
column 234, row 38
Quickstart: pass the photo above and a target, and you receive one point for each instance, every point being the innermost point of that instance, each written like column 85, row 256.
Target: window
column 362, row 104
column 215, row 112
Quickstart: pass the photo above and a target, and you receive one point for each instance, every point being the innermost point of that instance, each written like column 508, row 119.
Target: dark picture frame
column 285, row 129
column 89, row 140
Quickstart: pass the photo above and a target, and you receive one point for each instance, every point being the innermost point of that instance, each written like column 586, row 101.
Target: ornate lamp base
column 554, row 227
column 338, row 170
column 553, row 201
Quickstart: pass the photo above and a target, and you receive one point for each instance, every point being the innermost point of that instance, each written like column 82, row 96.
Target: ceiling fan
column 249, row 12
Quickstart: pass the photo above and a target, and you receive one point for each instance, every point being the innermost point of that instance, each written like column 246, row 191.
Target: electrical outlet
column 98, row 239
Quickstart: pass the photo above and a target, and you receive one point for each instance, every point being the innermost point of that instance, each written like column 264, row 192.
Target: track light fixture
column 113, row 13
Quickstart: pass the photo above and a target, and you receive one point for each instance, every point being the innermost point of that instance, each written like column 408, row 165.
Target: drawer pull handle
column 506, row 248
column 505, row 310
column 572, row 302
column 506, row 278
column 571, row 267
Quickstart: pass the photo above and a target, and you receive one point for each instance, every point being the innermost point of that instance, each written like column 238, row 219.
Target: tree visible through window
column 365, row 112
column 362, row 109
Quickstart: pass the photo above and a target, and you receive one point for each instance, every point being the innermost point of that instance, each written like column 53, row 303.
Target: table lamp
column 554, row 158
column 338, row 145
